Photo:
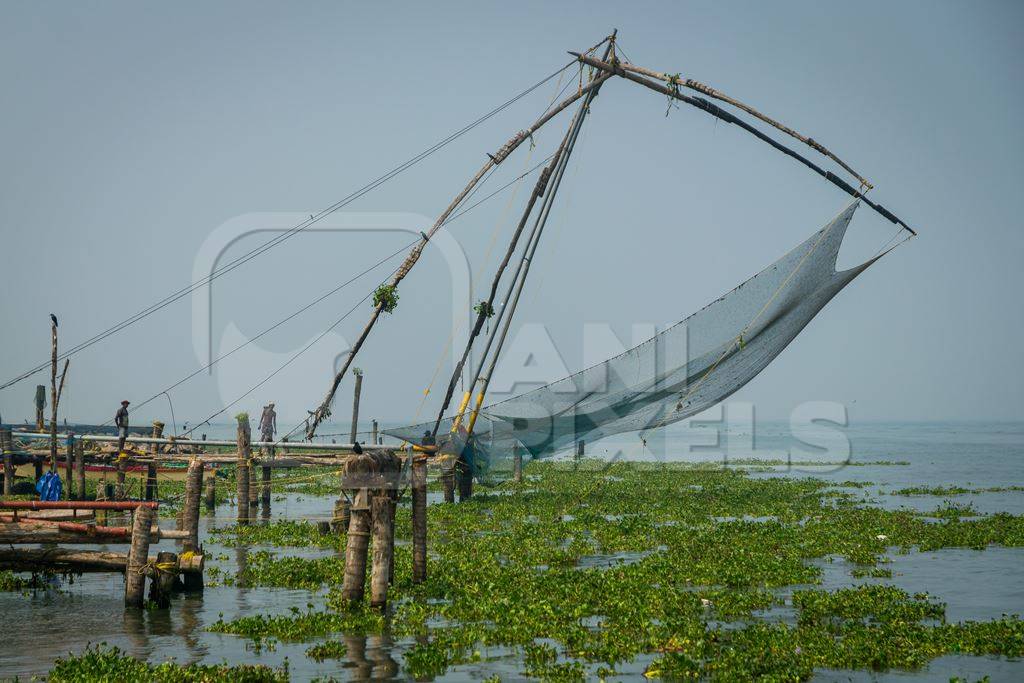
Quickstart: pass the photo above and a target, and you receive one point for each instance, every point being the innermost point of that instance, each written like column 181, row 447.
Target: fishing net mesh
column 679, row 372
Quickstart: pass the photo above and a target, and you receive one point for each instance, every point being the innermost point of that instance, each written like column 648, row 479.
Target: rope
column 228, row 267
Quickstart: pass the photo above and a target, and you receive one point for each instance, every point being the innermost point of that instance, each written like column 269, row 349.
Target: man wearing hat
column 121, row 422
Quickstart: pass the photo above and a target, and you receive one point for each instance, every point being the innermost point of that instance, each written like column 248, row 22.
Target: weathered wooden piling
column 464, row 477
column 161, row 584
column 448, row 479
column 358, row 539
column 265, row 487
column 138, row 558
column 383, row 515
column 7, row 448
column 419, row 517
column 190, row 518
column 242, row 472
column 517, row 463
column 342, row 515
column 373, row 431
column 80, row 469
column 210, row 494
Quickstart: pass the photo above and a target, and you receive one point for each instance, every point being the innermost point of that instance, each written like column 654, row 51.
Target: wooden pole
column 517, row 463
column 358, row 539
column 53, row 397
column 122, row 466
column 355, row 403
column 374, row 431
column 419, row 518
column 138, row 557
column 193, row 490
column 464, row 475
column 6, row 447
column 80, row 469
column 265, row 488
column 242, row 472
column 383, row 537
column 342, row 516
column 323, row 410
column 254, row 487
column 162, row 584
column 448, row 479
column 69, row 462
column 40, row 403
column 210, row 497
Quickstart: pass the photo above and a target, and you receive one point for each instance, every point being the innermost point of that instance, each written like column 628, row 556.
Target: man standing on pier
column 121, row 422
column 268, row 426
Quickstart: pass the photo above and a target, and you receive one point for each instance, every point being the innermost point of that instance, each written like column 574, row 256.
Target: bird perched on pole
column 53, row 318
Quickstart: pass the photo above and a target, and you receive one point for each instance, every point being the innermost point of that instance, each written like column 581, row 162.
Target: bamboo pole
column 75, row 505
column 323, row 411
column 448, row 479
column 355, row 403
column 265, row 488
column 382, row 513
column 37, row 531
column 242, row 471
column 254, row 488
column 419, row 518
column 675, row 79
column 718, row 112
column 138, row 557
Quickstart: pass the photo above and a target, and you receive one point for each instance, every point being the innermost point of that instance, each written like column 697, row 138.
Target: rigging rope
column 228, row 267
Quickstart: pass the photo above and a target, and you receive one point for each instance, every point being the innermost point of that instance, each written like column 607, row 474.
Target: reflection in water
column 369, row 657
column 135, row 628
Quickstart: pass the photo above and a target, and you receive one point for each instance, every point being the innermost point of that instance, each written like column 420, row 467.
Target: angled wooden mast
column 323, row 411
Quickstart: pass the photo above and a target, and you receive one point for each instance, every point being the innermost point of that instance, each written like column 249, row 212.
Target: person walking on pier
column 121, row 422
column 268, row 424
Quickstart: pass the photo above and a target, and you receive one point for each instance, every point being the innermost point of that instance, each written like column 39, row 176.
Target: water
column 975, row 585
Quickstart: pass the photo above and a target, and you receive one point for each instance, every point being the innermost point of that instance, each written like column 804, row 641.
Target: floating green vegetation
column 584, row 567
column 284, row 533
column 816, row 463
column 950, row 490
column 102, row 663
column 9, row 581
column 333, row 649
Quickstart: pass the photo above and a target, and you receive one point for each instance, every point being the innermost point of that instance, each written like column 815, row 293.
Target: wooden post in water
column 7, row 448
column 355, row 402
column 342, row 516
column 69, row 461
column 517, row 463
column 464, row 474
column 419, row 517
column 383, row 514
column 355, row 548
column 190, row 518
column 122, row 466
column 254, row 488
column 80, row 468
column 374, row 430
column 242, row 472
column 448, row 479
column 265, row 488
column 138, row 557
column 210, row 495
column 162, row 583
column 151, row 485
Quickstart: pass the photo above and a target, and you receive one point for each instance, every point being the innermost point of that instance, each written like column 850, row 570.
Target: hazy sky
column 133, row 131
